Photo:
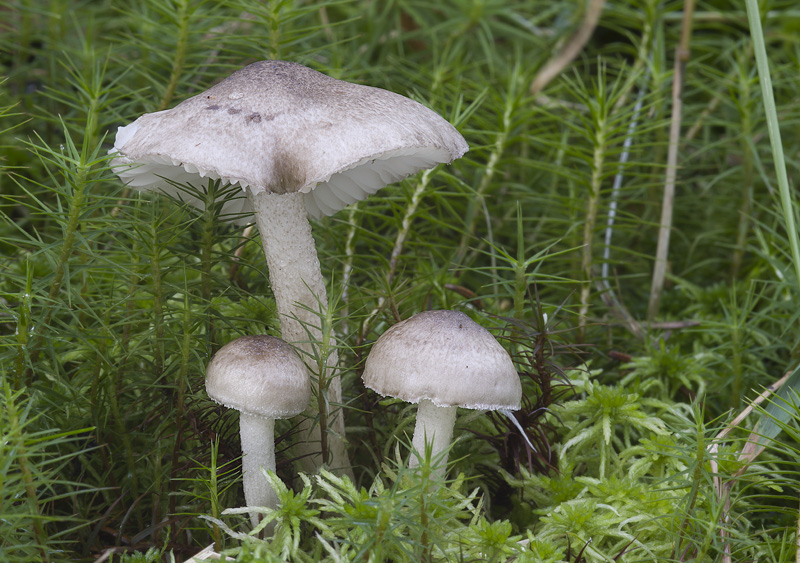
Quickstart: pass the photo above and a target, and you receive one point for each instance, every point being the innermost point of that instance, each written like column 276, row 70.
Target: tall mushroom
column 299, row 143
column 263, row 378
column 442, row 360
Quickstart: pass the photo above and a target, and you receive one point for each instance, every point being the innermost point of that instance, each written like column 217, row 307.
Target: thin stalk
column 748, row 166
column 349, row 253
column 213, row 489
column 158, row 358
column 120, row 430
column 612, row 208
column 156, row 486
column 423, row 540
column 713, row 104
column 183, row 375
column 682, row 53
column 322, row 402
column 23, row 20
column 745, row 205
column 75, row 210
column 474, row 203
column 408, row 217
column 23, row 462
column 590, row 221
column 643, row 56
column 736, row 387
column 732, row 16
column 99, row 372
column 478, row 200
column 23, row 324
column 399, row 245
column 206, row 259
column 274, row 17
column 73, row 220
column 697, row 476
column 133, row 288
column 771, row 113
column 520, row 265
column 158, row 301
column 79, row 180
column 423, row 514
column 711, row 531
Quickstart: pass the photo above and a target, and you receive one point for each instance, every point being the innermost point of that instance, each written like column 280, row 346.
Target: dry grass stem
column 662, row 250
column 572, row 49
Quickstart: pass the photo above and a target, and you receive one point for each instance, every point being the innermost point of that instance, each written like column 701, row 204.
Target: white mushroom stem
column 434, row 424
column 301, row 299
column 258, row 450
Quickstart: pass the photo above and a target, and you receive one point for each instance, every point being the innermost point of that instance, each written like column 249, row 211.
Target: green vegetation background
column 112, row 302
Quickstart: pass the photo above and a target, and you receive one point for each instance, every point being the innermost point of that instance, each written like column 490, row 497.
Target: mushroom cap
column 259, row 375
column 282, row 127
column 447, row 358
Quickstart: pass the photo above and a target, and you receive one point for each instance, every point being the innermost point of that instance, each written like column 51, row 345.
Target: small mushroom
column 442, row 360
column 298, row 143
column 263, row 378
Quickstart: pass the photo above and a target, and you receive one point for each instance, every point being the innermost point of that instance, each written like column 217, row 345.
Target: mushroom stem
column 301, row 299
column 434, row 424
column 258, row 450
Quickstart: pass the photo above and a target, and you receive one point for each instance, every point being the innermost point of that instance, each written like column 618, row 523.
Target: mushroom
column 442, row 360
column 299, row 143
column 263, row 378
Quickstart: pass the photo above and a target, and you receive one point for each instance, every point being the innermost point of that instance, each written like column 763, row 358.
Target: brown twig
column 571, row 49
column 682, row 54
column 466, row 293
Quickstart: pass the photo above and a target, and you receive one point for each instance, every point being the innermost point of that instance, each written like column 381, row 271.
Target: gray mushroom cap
column 447, row 358
column 259, row 375
column 282, row 127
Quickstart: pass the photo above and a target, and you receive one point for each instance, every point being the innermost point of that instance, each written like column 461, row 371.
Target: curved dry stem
column 572, row 49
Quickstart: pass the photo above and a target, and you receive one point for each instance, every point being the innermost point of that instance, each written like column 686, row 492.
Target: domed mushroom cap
column 282, row 127
column 259, row 375
column 447, row 358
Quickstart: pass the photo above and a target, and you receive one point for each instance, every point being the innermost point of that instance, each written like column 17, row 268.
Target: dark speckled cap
column 282, row 127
